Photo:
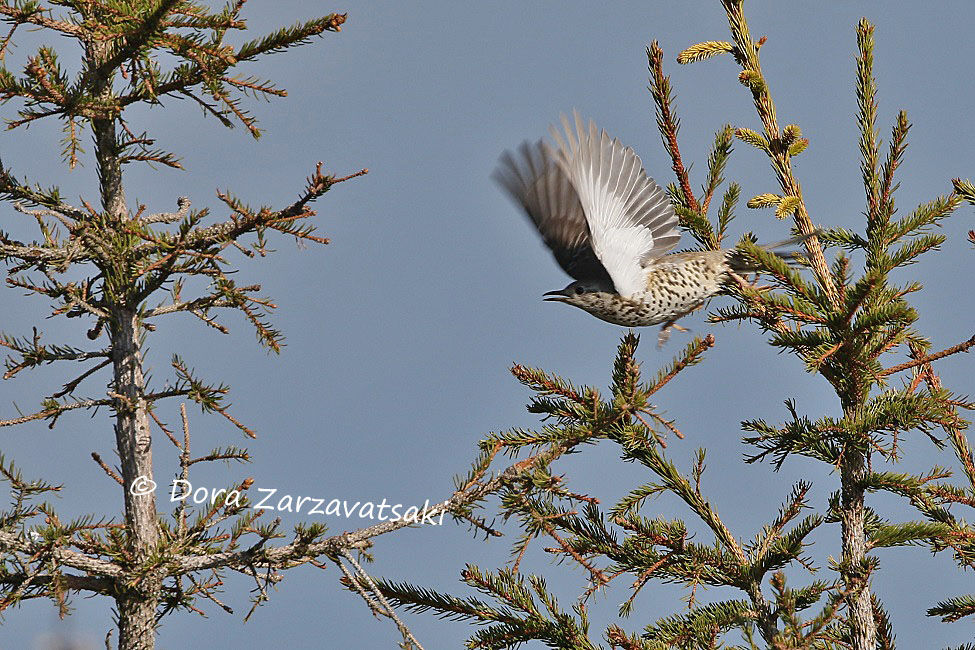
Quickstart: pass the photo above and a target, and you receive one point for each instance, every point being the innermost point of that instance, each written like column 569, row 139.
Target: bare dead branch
column 907, row 365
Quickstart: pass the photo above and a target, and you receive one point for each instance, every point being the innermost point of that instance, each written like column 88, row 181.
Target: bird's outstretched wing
column 631, row 221
column 540, row 186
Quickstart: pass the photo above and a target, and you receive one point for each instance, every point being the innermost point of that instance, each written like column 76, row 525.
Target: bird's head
column 591, row 296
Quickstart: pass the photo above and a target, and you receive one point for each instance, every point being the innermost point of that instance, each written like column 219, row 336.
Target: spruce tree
column 848, row 323
column 120, row 269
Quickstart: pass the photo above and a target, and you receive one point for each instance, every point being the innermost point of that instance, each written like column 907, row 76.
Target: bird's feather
column 540, row 186
column 631, row 221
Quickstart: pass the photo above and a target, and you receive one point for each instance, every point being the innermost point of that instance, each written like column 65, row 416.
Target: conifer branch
column 382, row 607
column 747, row 55
column 964, row 346
column 668, row 122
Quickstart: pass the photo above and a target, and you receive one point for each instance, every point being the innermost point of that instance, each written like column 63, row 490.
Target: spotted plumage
column 610, row 227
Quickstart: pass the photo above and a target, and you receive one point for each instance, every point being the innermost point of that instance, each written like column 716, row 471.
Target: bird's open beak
column 557, row 296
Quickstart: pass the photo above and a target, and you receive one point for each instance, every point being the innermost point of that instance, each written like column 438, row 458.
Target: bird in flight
column 610, row 227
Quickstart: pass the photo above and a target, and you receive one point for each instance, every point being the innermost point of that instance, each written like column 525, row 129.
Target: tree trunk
column 136, row 603
column 853, row 470
column 136, row 606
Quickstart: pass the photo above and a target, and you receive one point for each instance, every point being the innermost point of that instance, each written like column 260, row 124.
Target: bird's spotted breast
column 672, row 290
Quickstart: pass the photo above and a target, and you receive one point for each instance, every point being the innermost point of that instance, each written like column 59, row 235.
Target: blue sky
column 400, row 332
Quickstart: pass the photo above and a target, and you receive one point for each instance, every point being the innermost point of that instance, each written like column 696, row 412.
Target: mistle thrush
column 610, row 226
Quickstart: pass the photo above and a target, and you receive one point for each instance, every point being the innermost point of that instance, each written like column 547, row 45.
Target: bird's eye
column 580, row 291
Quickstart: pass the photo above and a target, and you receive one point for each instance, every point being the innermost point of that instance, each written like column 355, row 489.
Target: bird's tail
column 741, row 263
column 792, row 241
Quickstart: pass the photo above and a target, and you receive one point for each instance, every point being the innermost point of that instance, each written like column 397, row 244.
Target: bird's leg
column 672, row 323
column 742, row 282
column 665, row 331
